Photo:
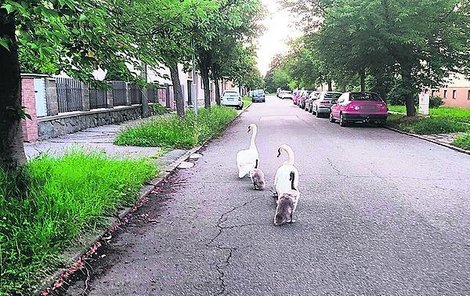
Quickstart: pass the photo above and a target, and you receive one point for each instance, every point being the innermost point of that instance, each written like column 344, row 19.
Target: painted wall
column 456, row 92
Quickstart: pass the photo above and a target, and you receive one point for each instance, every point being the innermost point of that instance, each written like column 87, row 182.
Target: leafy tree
column 162, row 33
column 417, row 42
column 235, row 22
column 67, row 35
column 277, row 75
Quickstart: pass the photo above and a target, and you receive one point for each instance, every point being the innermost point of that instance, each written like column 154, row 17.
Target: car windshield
column 332, row 95
column 258, row 92
column 365, row 97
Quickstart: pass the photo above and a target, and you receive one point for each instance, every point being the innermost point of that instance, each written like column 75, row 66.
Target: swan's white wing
column 282, row 181
column 246, row 161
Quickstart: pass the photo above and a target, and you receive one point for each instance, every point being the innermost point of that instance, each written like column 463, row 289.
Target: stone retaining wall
column 59, row 125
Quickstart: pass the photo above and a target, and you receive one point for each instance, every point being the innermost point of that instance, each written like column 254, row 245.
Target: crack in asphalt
column 222, row 219
column 338, row 172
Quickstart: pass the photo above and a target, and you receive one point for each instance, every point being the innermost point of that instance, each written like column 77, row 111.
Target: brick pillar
column 51, row 97
column 29, row 126
column 109, row 96
column 167, row 89
column 85, row 97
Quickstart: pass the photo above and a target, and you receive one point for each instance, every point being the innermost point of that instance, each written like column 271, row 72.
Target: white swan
column 248, row 159
column 282, row 180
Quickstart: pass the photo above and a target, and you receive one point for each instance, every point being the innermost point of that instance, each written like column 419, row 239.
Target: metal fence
column 135, row 94
column 152, row 95
column 69, row 95
column 119, row 93
column 98, row 98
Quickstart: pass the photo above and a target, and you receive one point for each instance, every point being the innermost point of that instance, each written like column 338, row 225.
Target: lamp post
column 193, row 72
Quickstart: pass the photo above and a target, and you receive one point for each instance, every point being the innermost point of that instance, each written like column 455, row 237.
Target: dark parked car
column 258, row 96
column 323, row 103
column 359, row 107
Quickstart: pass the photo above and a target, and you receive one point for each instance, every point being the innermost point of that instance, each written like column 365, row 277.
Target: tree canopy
column 412, row 45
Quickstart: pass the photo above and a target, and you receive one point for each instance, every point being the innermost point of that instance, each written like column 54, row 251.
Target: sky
column 279, row 29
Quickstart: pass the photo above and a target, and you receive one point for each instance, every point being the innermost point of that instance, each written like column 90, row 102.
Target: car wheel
column 317, row 114
column 332, row 119
column 342, row 120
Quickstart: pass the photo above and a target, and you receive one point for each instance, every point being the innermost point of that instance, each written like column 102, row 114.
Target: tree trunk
column 217, row 92
column 178, row 93
column 330, row 85
column 362, row 75
column 409, row 91
column 12, row 153
column 204, row 62
column 205, row 83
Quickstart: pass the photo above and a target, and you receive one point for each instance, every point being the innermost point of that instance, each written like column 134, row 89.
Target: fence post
column 167, row 102
column 128, row 95
column 109, row 96
column 86, row 97
column 51, row 97
column 145, row 102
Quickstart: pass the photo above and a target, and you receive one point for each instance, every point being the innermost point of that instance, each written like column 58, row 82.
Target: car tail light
column 382, row 107
column 352, row 107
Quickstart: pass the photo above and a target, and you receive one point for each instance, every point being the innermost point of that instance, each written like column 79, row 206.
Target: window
column 468, row 96
column 332, row 95
column 365, row 97
column 342, row 98
column 445, row 94
column 454, row 94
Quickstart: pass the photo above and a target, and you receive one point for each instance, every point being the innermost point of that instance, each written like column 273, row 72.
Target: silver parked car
column 323, row 104
column 311, row 98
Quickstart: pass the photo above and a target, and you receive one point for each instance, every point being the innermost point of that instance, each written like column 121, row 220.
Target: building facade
column 455, row 92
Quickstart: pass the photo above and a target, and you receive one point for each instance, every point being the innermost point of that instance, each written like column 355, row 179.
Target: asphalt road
column 380, row 213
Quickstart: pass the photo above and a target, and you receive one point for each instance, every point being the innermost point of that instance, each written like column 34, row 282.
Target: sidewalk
column 101, row 139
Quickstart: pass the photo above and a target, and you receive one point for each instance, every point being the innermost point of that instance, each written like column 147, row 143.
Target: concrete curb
column 62, row 275
column 429, row 140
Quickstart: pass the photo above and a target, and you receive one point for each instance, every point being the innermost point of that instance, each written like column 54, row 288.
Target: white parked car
column 232, row 98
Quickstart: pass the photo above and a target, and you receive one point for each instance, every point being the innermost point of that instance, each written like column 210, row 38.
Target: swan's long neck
column 290, row 156
column 253, row 136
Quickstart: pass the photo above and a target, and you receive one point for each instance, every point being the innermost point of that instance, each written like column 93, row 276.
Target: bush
column 62, row 198
column 435, row 102
column 158, row 109
column 462, row 141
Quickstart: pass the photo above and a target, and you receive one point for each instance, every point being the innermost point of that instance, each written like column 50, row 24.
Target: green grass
column 395, row 108
column 441, row 120
column 63, row 199
column 171, row 131
column 433, row 125
column 246, row 102
column 462, row 141
column 457, row 114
